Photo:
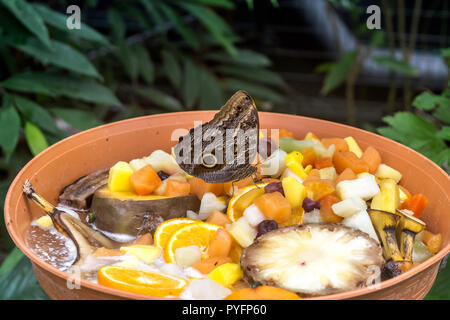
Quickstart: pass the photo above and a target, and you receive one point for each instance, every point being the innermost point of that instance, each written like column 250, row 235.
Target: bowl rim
column 129, row 295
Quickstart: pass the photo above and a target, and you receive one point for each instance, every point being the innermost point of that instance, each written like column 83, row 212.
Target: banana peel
column 407, row 229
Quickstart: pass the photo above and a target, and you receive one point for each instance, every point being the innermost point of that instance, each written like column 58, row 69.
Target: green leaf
column 442, row 113
column 444, row 133
column 377, row 39
column 184, row 30
column 254, row 89
column 216, row 3
column 155, row 15
column 159, row 98
column 54, row 85
column 58, row 20
column 411, row 125
column 393, row 134
column 171, row 67
column 19, row 282
column 428, row 101
column 393, row 64
column 338, row 72
column 26, row 14
column 253, row 74
column 35, row 138
column 211, row 94
column 191, row 85
column 61, row 55
column 243, row 57
column 445, row 52
column 146, row 66
column 129, row 59
column 213, row 23
column 118, row 28
column 11, row 261
column 9, row 126
column 36, row 114
column 443, row 157
column 77, row 119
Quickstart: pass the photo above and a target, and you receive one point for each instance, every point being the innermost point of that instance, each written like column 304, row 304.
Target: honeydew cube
column 226, row 274
column 294, row 191
column 274, row 165
column 362, row 222
column 328, row 173
column 353, row 146
column 289, row 173
column 365, row 188
column 137, row 164
column 210, row 203
column 44, row 222
column 188, row 256
column 349, row 207
column 162, row 161
column 386, row 172
column 388, row 198
column 312, row 217
column 119, row 177
column 254, row 215
column 145, row 253
column 242, row 232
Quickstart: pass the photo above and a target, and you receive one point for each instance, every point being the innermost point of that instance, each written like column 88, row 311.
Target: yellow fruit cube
column 294, row 162
column 44, row 222
column 119, row 177
column 328, row 173
column 226, row 274
column 388, row 198
column 311, row 136
column 386, row 172
column 353, row 146
column 294, row 191
column 144, row 253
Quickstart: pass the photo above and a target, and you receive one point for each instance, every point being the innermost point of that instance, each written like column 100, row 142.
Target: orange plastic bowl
column 101, row 147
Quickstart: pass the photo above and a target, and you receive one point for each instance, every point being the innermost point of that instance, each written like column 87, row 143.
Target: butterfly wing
column 224, row 148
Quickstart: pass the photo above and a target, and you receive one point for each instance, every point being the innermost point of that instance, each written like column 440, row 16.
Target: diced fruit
column 373, row 159
column 349, row 207
column 144, row 253
column 347, row 174
column 188, row 256
column 274, row 206
column 138, row 164
column 274, row 165
column 119, row 177
column 105, row 252
column 294, row 162
column 362, row 222
column 145, row 239
column 343, row 160
column 309, row 205
column 209, row 264
column 321, row 163
column 316, row 190
column 388, row 198
column 288, row 145
column 295, row 218
column 274, row 186
column 221, row 244
column 325, row 153
column 228, row 186
column 404, row 193
column 242, row 232
column 340, row 144
column 328, row 173
column 309, row 155
column 289, row 173
column 44, row 221
column 165, row 230
column 206, row 289
column 353, row 146
column 177, row 188
column 294, row 191
column 416, row 204
column 262, row 293
column 313, row 175
column 200, row 187
column 254, row 215
column 193, row 215
column 364, row 188
column 386, row 172
column 326, row 210
column 162, row 161
column 218, row 218
column 432, row 241
column 313, row 216
column 209, row 204
column 226, row 274
column 145, row 181
column 420, row 252
column 243, row 199
column 142, row 282
column 311, row 136
column 236, row 253
column 199, row 234
column 266, row 226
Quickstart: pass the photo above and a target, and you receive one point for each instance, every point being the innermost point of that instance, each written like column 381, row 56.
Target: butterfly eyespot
column 209, row 160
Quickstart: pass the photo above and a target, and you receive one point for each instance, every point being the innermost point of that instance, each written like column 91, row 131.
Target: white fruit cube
column 162, row 161
column 138, row 164
column 365, row 188
column 386, row 172
column 254, row 215
column 312, row 217
column 242, row 232
column 328, row 173
column 209, row 204
column 274, row 165
column 349, row 207
column 362, row 222
column 188, row 256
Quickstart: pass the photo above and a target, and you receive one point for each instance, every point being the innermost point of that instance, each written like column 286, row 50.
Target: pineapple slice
column 119, row 177
column 353, row 146
column 145, row 253
column 388, row 198
column 365, row 188
column 242, row 232
column 226, row 274
column 294, row 191
column 386, row 172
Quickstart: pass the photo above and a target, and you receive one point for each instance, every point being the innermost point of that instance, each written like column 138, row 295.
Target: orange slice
column 165, row 230
column 142, row 282
column 243, row 199
column 195, row 234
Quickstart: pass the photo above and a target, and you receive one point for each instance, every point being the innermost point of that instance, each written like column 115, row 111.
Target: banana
column 313, row 259
column 407, row 229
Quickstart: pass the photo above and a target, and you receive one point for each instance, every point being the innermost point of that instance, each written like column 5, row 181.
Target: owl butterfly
column 224, row 148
